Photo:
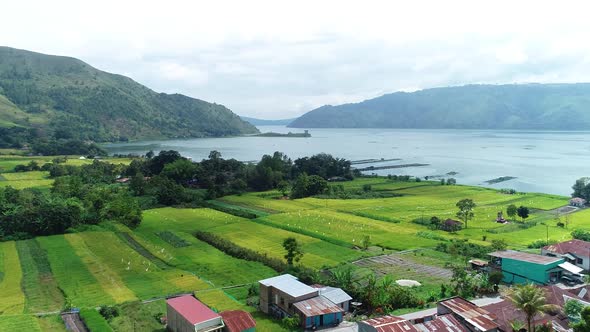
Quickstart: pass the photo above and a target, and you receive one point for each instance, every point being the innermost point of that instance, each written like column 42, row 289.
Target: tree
column 294, row 251
column 523, row 212
column 531, row 300
column 451, row 181
column 465, row 212
column 499, row 244
column 583, row 325
column 582, row 188
column 511, row 211
column 516, row 325
column 283, row 187
column 573, row 308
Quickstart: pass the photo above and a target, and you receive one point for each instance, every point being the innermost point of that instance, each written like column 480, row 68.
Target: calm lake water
column 541, row 161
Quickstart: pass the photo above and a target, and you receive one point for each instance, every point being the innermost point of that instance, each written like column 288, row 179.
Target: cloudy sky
column 279, row 59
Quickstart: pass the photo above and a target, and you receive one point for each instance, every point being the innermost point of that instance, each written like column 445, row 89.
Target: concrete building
column 576, row 252
column 284, row 296
column 520, row 268
column 278, row 294
column 335, row 295
column 187, row 314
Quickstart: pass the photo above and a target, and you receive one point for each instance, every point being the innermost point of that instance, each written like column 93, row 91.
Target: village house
column 521, row 268
column 238, row 321
column 576, row 252
column 398, row 324
column 284, row 296
column 468, row 314
column 578, row 202
column 187, row 314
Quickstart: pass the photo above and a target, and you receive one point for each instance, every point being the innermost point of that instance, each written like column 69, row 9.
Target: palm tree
column 531, row 300
column 516, row 325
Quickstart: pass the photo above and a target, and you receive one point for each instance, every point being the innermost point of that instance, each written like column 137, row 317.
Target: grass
column 52, row 323
column 8, row 162
column 136, row 316
column 22, row 180
column 72, row 275
column 123, row 267
column 94, row 321
column 106, row 277
column 13, row 299
column 26, row 323
column 246, row 233
column 40, row 287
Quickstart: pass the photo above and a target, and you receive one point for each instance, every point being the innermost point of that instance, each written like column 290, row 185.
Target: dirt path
column 74, row 322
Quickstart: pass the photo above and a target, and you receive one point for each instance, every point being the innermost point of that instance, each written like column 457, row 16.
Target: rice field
column 22, row 180
column 13, row 299
column 19, row 323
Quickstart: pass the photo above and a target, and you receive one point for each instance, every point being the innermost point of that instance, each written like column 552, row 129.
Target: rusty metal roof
column 317, row 306
column 390, row 324
column 577, row 247
column 471, row 313
column 525, row 257
column 237, row 320
column 442, row 323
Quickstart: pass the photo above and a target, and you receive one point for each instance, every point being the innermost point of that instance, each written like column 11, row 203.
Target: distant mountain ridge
column 510, row 106
column 262, row 122
column 65, row 98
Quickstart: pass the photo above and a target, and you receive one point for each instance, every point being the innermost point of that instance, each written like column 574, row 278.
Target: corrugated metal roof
column 442, row 323
column 525, row 257
column 335, row 295
column 390, row 324
column 237, row 320
column 571, row 268
column 289, row 285
column 473, row 314
column 577, row 247
column 192, row 309
column 317, row 306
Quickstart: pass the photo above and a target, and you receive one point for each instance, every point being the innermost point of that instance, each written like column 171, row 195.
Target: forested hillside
column 62, row 98
column 515, row 106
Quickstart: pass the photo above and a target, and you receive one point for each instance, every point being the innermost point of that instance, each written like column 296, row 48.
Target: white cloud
column 278, row 59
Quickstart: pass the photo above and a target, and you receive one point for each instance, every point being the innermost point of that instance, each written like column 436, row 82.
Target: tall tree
column 511, row 211
column 583, row 325
column 465, row 212
column 531, row 300
column 294, row 251
column 523, row 212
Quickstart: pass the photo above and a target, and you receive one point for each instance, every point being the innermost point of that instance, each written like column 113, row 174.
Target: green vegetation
column 94, row 321
column 512, row 106
column 73, row 102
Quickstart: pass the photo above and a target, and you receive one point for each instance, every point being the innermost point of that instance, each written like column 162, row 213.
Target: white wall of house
column 585, row 264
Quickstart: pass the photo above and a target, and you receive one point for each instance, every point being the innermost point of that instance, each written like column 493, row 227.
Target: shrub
column 108, row 312
column 581, row 235
column 173, row 239
column 495, row 277
column 538, row 244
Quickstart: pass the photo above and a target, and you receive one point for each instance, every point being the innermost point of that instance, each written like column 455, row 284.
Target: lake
column 541, row 161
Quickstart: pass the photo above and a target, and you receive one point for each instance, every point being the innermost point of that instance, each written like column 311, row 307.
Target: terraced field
column 115, row 265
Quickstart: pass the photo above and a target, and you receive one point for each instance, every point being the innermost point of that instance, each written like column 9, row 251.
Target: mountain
column 513, row 106
column 65, row 98
column 261, row 122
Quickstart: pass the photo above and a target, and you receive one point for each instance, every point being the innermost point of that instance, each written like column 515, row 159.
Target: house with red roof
column 574, row 251
column 186, row 313
column 238, row 321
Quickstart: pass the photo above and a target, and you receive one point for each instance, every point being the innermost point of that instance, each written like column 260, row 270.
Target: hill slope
column 262, row 122
column 66, row 98
column 523, row 106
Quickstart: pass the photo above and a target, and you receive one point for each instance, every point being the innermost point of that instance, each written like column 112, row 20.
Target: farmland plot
column 23, row 323
column 13, row 299
column 39, row 285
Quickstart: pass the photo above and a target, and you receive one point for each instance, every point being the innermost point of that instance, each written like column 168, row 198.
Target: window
column 579, row 261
